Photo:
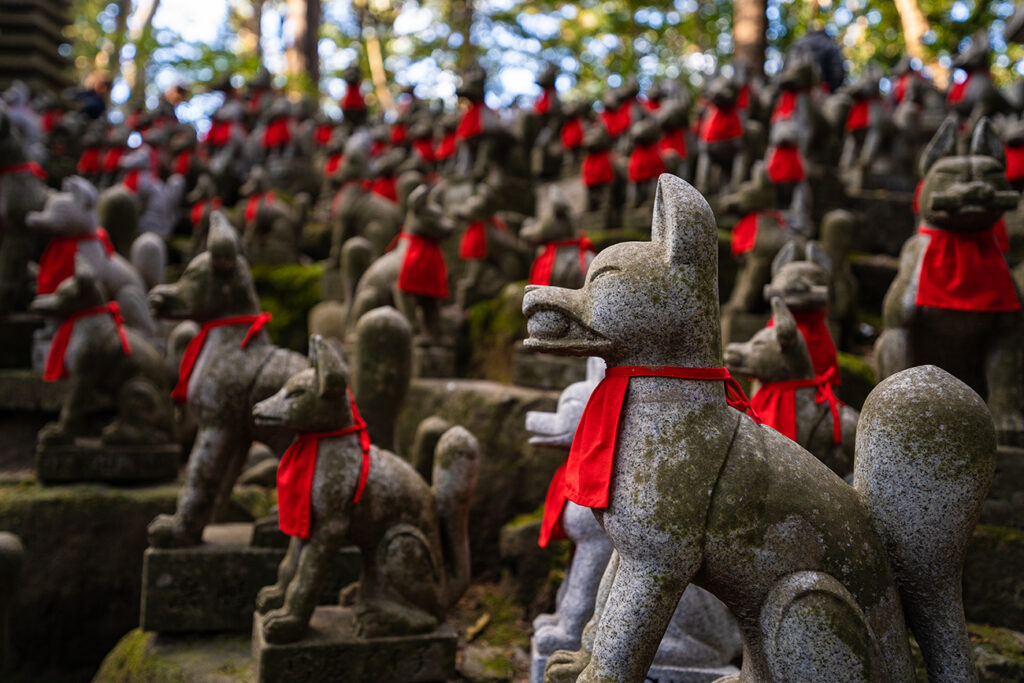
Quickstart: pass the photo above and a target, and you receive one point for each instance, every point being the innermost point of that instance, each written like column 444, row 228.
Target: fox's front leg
column 69, row 424
column 272, row 597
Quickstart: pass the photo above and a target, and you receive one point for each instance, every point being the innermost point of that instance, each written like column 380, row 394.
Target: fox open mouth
column 554, row 330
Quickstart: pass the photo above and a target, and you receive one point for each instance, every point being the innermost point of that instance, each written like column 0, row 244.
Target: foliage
column 288, row 292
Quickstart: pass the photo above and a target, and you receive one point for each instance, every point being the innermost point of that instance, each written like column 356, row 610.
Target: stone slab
column 332, row 652
column 213, row 587
column 87, row 460
column 657, row 674
column 545, row 370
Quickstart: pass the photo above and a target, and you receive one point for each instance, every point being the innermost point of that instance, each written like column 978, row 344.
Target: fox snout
column 46, row 304
column 736, row 357
column 165, row 299
column 271, row 411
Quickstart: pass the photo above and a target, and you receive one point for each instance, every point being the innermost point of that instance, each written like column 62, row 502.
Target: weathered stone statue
column 723, row 152
column 103, row 356
column 229, row 367
column 492, row 254
column 954, row 303
column 334, row 486
column 271, row 228
column 689, row 489
column 563, row 254
column 702, row 637
column 356, row 211
column 791, row 397
column 603, row 181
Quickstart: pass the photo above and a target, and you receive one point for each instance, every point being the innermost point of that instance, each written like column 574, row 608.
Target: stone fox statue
column 819, row 574
column 103, row 357
column 229, row 367
column 793, row 398
column 333, row 486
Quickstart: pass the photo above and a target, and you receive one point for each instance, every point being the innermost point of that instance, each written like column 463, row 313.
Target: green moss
column 142, row 657
column 858, row 379
column 255, row 500
column 1001, row 533
column 493, row 328
column 288, row 292
column 133, row 660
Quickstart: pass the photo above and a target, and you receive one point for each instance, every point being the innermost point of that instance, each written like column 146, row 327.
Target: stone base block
column 545, row 371
column 332, row 652
column 87, row 460
column 213, row 587
column 433, row 361
column 657, row 674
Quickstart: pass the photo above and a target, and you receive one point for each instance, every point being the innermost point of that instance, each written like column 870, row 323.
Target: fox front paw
column 554, row 637
column 54, row 434
column 565, row 667
column 167, row 531
column 280, row 627
column 269, row 598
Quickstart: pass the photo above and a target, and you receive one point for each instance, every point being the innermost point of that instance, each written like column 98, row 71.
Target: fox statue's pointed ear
column 683, row 223
column 331, row 374
column 83, row 269
column 786, row 255
column 222, row 243
column 82, row 190
column 943, row 144
column 786, row 330
column 815, row 254
column 985, row 142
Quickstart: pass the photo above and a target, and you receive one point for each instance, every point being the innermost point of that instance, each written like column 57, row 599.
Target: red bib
column 859, row 116
column 473, row 246
column 252, row 206
column 199, row 209
column 277, row 133
column 298, row 466
column 543, row 103
column 385, row 187
column 471, row 124
column 775, row 403
column 720, row 124
column 322, row 134
column 446, row 147
column 572, row 133
column 332, row 163
column 353, row 99
column 58, row 260
column 540, row 271
column 398, row 134
column 899, row 90
column 743, row 98
column 55, row 369
column 965, row 271
column 674, row 141
column 89, row 162
column 617, row 121
column 195, row 347
column 1014, row 162
column 650, row 105
column 645, row 163
column 785, row 106
column 588, row 470
column 819, row 342
column 551, row 528
column 424, row 149
column 423, row 271
column 219, row 133
column 24, row 167
column 111, row 159
column 785, row 165
column 183, row 162
column 958, row 90
column 597, row 168
column 744, row 233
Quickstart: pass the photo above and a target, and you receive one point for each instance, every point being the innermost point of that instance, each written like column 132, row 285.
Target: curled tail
column 381, row 371
column 925, row 456
column 455, row 468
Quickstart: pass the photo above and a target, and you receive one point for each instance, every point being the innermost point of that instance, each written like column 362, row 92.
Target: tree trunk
column 749, row 24
column 301, row 56
column 139, row 34
column 375, row 56
column 914, row 27
column 257, row 29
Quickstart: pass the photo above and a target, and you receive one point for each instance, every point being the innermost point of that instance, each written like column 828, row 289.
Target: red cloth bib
column 322, row 134
column 813, row 327
column 332, row 163
column 617, row 121
column 650, row 105
column 645, row 163
column 385, row 187
column 353, row 99
column 958, row 90
column 551, row 528
column 859, row 116
column 1014, row 162
column 252, row 206
column 89, row 162
column 398, row 134
column 597, row 168
column 674, row 141
column 24, row 167
column 111, row 159
column 775, row 403
column 195, row 347
column 50, row 119
column 199, row 208
column 424, row 149
column 785, row 165
column 543, row 103
column 572, row 133
column 473, row 246
column 899, row 89
column 785, row 106
column 277, row 133
column 298, row 466
column 55, row 369
column 423, row 270
column 720, row 124
column 58, row 260
column 588, row 470
column 183, row 162
column 540, row 271
column 471, row 124
column 964, row 271
column 744, row 234
column 219, row 133
column 743, row 98
column 445, row 148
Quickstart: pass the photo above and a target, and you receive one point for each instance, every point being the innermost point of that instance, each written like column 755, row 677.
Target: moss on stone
column 858, row 380
column 288, row 292
column 493, row 328
column 142, row 657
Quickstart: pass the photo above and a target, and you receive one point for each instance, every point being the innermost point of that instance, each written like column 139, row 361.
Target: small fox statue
column 333, row 486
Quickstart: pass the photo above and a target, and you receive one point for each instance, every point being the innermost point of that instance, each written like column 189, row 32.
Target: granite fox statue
column 953, row 302
column 413, row 536
column 565, row 254
column 233, row 366
column 104, row 358
column 697, row 491
column 702, row 633
column 777, row 357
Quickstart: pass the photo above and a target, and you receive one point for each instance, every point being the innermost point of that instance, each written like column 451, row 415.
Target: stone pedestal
column 88, row 460
column 547, row 371
column 332, row 652
column 213, row 587
column 657, row 674
column 433, row 361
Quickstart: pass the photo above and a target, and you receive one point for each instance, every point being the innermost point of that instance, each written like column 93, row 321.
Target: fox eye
column 292, row 393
